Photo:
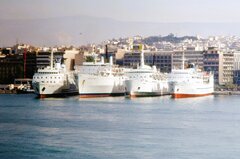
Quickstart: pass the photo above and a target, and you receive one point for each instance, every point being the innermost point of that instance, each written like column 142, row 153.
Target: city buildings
column 43, row 58
column 14, row 66
column 226, row 64
column 190, row 55
column 69, row 58
column 211, row 61
column 221, row 63
column 236, row 68
column 218, row 54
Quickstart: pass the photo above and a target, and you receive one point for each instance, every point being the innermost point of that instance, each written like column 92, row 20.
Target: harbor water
column 117, row 128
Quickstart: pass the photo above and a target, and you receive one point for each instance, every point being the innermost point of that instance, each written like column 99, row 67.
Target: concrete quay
column 226, row 93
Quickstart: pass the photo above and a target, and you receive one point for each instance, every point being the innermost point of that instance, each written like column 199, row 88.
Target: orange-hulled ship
column 190, row 82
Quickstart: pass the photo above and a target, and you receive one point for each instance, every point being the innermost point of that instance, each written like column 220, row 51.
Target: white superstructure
column 145, row 81
column 190, row 82
column 54, row 81
column 100, row 79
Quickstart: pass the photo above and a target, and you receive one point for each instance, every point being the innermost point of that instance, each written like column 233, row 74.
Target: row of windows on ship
column 46, row 77
column 147, row 76
column 50, row 82
column 48, row 72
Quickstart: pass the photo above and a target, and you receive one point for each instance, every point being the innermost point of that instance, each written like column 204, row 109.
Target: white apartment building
column 226, row 66
column 221, row 63
column 236, row 60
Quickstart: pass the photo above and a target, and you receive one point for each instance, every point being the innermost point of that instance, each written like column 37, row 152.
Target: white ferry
column 145, row 81
column 99, row 79
column 190, row 82
column 54, row 81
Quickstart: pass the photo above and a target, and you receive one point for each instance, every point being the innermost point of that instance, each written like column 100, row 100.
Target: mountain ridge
column 79, row 30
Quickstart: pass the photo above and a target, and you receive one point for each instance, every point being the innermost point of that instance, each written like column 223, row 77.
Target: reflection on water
column 119, row 127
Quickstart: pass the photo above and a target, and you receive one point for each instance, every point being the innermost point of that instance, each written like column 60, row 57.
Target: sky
column 126, row 10
column 60, row 22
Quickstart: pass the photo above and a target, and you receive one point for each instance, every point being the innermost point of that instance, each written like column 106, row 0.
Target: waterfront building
column 190, row 55
column 165, row 60
column 236, row 77
column 211, row 59
column 79, row 59
column 236, row 68
column 131, row 59
column 43, row 58
column 6, row 51
column 236, row 58
column 221, row 63
column 226, row 68
column 13, row 66
column 69, row 58
column 119, row 56
column 161, row 59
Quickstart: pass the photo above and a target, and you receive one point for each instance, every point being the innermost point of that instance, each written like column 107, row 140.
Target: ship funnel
column 102, row 59
column 94, row 57
column 58, row 64
column 111, row 60
column 142, row 58
column 154, row 68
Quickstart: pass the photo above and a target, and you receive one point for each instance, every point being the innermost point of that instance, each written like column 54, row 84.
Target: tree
column 89, row 59
column 230, row 86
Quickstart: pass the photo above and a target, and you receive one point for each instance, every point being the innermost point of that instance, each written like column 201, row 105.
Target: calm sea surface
column 120, row 128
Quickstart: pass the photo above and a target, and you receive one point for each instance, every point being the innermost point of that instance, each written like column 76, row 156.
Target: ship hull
column 178, row 95
column 96, row 95
column 187, row 90
column 98, row 86
column 144, row 94
column 137, row 88
column 60, row 95
column 50, row 90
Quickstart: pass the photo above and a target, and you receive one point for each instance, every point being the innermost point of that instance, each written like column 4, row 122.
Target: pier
column 20, row 86
column 226, row 93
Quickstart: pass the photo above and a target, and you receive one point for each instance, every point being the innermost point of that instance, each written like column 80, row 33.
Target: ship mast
column 183, row 60
column 142, row 57
column 51, row 61
column 24, row 62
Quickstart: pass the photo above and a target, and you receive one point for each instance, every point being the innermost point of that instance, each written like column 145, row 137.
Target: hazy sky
column 88, row 17
column 126, row 10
